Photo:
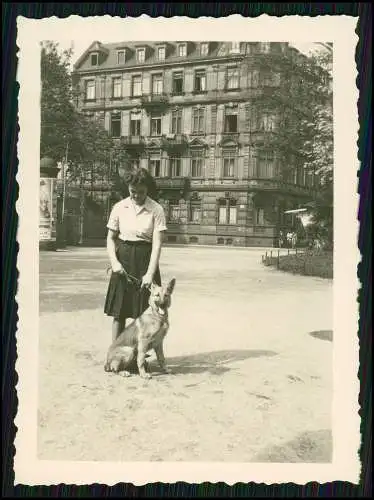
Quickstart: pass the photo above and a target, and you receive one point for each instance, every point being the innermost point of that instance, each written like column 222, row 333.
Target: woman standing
column 134, row 241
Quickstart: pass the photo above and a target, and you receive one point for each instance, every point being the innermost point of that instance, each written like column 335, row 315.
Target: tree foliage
column 65, row 132
column 301, row 99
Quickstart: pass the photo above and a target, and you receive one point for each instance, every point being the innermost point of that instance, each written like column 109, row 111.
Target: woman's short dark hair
column 141, row 176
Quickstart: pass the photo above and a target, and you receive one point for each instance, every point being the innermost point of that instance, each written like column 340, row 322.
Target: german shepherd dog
column 145, row 333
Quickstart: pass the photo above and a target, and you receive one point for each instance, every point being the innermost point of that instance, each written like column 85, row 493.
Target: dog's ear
column 171, row 286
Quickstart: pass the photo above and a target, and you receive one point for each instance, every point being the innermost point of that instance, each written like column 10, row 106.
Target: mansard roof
column 109, row 53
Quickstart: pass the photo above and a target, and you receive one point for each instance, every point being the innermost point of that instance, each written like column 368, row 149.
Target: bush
column 307, row 263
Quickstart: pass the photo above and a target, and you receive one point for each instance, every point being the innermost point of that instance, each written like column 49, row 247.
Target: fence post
column 278, row 260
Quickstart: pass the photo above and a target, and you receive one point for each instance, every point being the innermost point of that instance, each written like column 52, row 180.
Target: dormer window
column 204, row 49
column 94, row 59
column 182, row 50
column 120, row 57
column 235, row 48
column 140, row 55
column 161, row 51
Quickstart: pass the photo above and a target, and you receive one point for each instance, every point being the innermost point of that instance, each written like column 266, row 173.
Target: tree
column 298, row 93
column 57, row 111
column 65, row 132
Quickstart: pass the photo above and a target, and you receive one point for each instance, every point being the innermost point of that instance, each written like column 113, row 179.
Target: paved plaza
column 249, row 346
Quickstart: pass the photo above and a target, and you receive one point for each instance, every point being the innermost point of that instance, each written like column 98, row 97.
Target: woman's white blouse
column 137, row 223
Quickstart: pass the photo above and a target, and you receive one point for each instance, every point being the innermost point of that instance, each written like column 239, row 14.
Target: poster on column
column 45, row 209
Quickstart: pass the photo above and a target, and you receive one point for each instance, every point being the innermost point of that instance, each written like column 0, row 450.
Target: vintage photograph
column 187, row 305
column 193, row 193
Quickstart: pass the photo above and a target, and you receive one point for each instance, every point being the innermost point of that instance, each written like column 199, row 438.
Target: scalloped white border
column 337, row 29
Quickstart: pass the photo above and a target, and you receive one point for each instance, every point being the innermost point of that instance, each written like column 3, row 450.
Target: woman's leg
column 118, row 326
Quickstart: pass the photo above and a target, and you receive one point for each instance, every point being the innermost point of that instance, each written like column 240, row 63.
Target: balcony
column 278, row 185
column 174, row 142
column 153, row 102
column 133, row 142
column 180, row 184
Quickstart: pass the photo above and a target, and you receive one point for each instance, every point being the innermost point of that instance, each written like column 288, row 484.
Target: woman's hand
column 117, row 268
column 147, row 280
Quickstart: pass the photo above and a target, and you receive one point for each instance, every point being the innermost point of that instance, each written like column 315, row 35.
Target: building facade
column 187, row 112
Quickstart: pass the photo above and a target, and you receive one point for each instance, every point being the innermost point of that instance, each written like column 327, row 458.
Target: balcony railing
column 174, row 142
column 175, row 183
column 152, row 101
column 133, row 141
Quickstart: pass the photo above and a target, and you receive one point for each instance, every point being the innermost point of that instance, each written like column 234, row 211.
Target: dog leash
column 130, row 278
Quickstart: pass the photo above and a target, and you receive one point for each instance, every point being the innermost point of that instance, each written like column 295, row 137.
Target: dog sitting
column 145, row 333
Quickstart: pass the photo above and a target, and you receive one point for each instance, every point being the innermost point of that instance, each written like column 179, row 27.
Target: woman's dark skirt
column 125, row 299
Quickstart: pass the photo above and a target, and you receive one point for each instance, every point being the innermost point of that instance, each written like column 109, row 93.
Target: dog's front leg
column 141, row 363
column 159, row 350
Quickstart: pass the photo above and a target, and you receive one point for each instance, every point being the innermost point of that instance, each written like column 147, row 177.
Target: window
column 90, row 90
column 176, row 121
column 175, row 167
column 156, row 125
column 265, row 165
column 134, row 163
column 235, row 48
column 136, row 85
column 295, row 176
column 198, row 116
column 269, row 78
column 232, row 78
column 115, row 124
column 231, row 120
column 267, row 122
column 155, row 167
column 227, row 211
column 228, row 167
column 265, row 47
column 117, row 88
column 260, row 216
column 309, row 178
column 157, row 84
column 140, row 55
column 195, row 212
column 120, row 57
column 233, row 212
column 135, row 124
column 182, row 50
column 204, row 49
column 178, row 83
column 200, row 80
column 174, row 211
column 229, row 159
column 94, row 59
column 161, row 52
column 197, row 163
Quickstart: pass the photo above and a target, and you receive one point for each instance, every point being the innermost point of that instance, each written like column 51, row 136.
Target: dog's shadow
column 214, row 363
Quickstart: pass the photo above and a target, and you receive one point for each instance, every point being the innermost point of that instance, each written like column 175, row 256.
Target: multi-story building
column 187, row 112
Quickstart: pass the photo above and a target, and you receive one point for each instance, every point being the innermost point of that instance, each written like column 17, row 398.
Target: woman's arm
column 111, row 249
column 155, row 258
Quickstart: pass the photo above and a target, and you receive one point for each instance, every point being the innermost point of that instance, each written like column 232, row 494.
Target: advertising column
column 47, row 204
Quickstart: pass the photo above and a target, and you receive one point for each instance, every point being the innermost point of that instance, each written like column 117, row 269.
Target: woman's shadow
column 214, row 363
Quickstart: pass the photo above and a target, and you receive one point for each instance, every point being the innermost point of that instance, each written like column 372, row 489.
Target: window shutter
column 187, row 120
column 222, row 78
column 146, row 84
column 126, row 85
column 107, row 121
column 125, row 122
column 188, row 80
column 165, row 123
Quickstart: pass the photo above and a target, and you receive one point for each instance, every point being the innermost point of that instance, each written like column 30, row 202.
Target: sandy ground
column 250, row 349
